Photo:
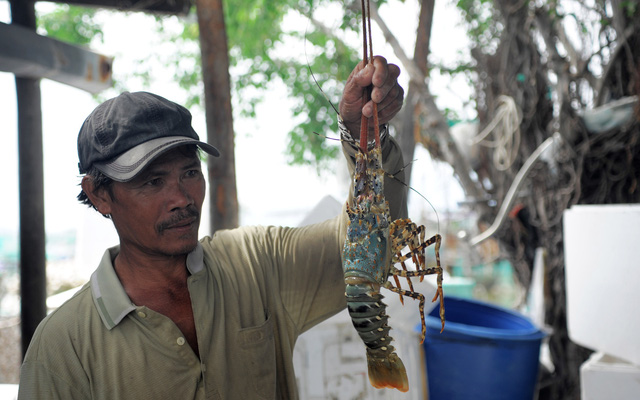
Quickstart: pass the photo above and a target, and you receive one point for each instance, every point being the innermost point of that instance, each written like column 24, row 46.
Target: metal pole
column 31, row 178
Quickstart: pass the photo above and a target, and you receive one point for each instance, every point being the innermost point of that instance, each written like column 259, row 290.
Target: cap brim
column 129, row 164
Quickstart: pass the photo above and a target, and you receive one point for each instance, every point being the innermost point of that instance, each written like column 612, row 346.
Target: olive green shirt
column 254, row 290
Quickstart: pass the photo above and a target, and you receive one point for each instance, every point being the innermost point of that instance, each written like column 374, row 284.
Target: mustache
column 179, row 218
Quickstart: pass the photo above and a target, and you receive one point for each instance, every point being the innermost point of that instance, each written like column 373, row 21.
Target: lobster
column 372, row 248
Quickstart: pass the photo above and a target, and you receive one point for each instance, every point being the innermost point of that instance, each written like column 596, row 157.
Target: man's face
column 158, row 212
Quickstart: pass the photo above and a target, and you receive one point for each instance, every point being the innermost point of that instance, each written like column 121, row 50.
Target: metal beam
column 29, row 55
column 180, row 7
column 32, row 233
column 33, row 275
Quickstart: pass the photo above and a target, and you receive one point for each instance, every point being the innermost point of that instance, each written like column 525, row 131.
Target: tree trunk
column 409, row 124
column 217, row 95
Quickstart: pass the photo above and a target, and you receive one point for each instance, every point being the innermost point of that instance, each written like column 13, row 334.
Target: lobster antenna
column 306, row 30
column 394, row 177
column 327, row 137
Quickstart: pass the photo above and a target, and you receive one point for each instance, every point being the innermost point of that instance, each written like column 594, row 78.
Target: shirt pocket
column 258, row 358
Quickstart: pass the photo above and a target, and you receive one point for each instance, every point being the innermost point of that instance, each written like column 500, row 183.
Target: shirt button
column 180, row 341
column 141, row 314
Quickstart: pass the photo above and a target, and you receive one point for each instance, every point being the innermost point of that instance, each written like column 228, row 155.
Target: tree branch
column 435, row 121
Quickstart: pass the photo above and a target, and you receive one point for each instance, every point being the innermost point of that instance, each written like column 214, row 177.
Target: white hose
column 510, row 197
column 505, row 130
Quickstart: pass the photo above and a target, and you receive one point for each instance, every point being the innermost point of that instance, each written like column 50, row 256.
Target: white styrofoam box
column 8, row 391
column 602, row 261
column 604, row 377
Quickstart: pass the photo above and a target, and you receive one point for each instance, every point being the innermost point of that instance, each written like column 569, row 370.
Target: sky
column 269, row 191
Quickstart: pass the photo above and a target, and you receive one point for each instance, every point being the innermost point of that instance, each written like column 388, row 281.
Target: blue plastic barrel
column 484, row 352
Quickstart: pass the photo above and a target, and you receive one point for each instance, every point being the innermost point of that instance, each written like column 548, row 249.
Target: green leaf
column 71, row 24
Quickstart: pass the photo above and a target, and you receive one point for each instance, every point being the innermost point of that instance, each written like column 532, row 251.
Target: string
column 364, row 122
column 367, row 58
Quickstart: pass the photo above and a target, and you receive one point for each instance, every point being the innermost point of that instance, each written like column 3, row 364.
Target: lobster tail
column 386, row 370
column 368, row 315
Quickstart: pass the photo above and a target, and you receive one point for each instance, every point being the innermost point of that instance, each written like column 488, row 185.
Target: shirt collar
column 195, row 260
column 109, row 296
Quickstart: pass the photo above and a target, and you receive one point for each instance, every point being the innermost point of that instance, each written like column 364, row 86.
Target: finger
column 392, row 102
column 387, row 111
column 381, row 90
column 380, row 72
column 359, row 78
column 351, row 101
column 377, row 74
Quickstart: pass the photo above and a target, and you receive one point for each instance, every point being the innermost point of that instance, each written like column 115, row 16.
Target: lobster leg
column 419, row 296
column 435, row 239
column 395, row 278
column 405, row 233
column 421, row 272
column 413, row 295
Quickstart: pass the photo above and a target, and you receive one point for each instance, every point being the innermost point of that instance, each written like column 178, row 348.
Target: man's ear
column 100, row 197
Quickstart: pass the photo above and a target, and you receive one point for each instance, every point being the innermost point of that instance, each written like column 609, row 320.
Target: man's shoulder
column 80, row 301
column 236, row 238
column 56, row 351
column 240, row 251
column 68, row 320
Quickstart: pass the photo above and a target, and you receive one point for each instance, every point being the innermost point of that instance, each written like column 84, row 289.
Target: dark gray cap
column 122, row 135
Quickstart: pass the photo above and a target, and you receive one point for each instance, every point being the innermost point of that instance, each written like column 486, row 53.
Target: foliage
column 261, row 49
column 71, row 24
column 482, row 25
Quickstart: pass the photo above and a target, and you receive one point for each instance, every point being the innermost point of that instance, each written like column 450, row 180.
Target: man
column 168, row 316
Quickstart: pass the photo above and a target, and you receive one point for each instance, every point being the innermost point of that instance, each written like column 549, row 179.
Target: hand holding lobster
column 386, row 93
